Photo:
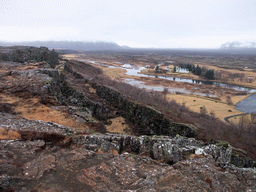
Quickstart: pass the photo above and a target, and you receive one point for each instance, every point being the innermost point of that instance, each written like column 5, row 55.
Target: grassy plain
column 217, row 106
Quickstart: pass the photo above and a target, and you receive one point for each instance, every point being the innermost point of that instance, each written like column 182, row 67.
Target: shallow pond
column 181, row 70
column 248, row 105
column 142, row 85
column 135, row 71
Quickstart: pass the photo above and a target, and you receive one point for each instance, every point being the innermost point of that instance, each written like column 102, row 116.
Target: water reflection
column 181, row 70
column 127, row 66
column 142, row 85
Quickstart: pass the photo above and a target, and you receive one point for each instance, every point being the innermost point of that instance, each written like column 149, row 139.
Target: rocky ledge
column 59, row 159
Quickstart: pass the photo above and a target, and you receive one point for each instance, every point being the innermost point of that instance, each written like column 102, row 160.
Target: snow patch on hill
column 239, row 45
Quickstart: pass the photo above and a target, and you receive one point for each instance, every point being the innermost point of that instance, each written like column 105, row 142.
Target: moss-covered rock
column 240, row 161
column 65, row 94
column 220, row 152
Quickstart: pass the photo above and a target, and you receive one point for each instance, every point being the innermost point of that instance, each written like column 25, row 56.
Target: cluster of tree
column 30, row 54
column 209, row 74
column 195, row 70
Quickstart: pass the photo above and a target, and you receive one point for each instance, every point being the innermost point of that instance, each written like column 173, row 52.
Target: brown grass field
column 31, row 107
column 219, row 107
column 118, row 125
column 8, row 134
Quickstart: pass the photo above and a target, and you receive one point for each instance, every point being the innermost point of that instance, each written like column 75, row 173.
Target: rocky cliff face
column 147, row 120
column 55, row 158
column 44, row 156
column 65, row 94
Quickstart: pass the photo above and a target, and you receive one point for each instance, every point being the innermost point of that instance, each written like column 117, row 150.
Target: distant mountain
column 70, row 45
column 239, row 45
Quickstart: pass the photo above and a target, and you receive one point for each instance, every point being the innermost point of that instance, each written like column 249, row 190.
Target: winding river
column 135, row 71
column 248, row 105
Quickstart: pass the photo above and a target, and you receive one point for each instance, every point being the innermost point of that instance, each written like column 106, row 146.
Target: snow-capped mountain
column 239, row 45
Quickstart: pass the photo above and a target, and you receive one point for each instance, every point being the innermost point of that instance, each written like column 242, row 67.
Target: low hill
column 28, row 54
column 71, row 45
column 239, row 45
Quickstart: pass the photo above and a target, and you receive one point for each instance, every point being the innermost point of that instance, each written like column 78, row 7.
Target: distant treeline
column 71, row 45
column 209, row 74
column 29, row 54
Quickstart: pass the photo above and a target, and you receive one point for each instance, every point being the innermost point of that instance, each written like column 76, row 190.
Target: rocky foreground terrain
column 75, row 152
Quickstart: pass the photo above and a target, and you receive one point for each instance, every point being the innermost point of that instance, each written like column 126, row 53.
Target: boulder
column 220, row 152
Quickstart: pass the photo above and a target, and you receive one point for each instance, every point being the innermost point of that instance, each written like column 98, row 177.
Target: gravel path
column 227, row 118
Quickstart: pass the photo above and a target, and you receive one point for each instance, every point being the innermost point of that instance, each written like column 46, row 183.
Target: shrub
column 6, row 108
column 229, row 100
column 47, row 137
column 212, row 113
column 209, row 74
column 203, row 110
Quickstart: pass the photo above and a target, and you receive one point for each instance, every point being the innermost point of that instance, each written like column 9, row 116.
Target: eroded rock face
column 147, row 120
column 221, row 153
column 242, row 161
column 114, row 162
column 13, row 122
column 65, row 94
column 56, row 169
column 37, row 167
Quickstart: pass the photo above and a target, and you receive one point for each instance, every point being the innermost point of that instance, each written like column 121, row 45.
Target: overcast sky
column 136, row 23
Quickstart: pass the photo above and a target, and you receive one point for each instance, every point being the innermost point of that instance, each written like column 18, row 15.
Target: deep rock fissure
column 146, row 119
